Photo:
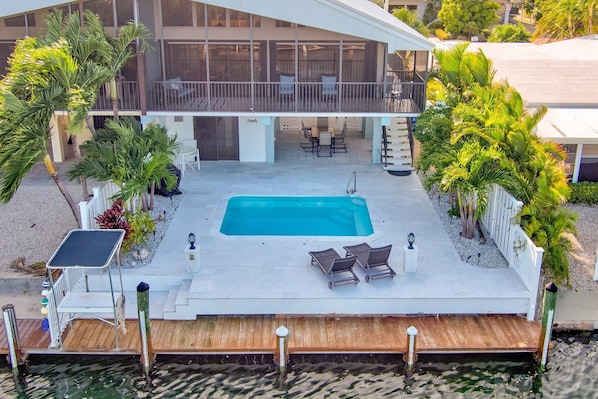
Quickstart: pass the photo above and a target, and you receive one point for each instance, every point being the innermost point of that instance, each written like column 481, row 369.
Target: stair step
column 183, row 294
column 170, row 304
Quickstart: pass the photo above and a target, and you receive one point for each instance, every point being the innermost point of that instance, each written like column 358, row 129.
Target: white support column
column 577, row 165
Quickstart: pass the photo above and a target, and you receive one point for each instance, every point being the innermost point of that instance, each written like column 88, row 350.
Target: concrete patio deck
column 272, row 274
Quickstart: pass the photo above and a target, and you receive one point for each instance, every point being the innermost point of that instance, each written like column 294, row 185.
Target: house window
column 231, row 62
column 186, row 60
column 354, row 62
column 20, row 20
column 316, row 60
column 6, row 49
column 101, row 8
column 241, row 19
column 177, row 13
column 282, row 24
column 285, row 58
column 124, row 11
column 216, row 16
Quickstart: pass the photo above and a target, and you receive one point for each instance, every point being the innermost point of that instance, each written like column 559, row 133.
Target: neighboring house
column 564, row 77
column 232, row 74
column 508, row 7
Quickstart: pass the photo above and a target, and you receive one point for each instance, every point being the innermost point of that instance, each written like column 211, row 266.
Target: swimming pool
column 297, row 216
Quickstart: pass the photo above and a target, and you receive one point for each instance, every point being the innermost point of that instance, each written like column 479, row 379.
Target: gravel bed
column 472, row 251
column 164, row 210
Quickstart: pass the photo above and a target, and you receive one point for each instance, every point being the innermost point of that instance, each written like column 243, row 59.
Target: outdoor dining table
column 315, row 131
column 184, row 152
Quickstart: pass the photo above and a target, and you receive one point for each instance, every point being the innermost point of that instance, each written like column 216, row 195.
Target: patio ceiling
column 359, row 18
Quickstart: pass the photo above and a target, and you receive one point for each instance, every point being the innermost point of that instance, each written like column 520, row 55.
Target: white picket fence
column 502, row 223
column 101, row 200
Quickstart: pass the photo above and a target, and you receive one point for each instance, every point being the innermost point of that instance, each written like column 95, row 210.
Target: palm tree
column 41, row 79
column 116, row 51
column 460, row 71
column 565, row 19
column 131, row 158
column 470, row 172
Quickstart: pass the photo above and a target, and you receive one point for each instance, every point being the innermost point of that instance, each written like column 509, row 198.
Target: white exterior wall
column 252, row 139
column 183, row 129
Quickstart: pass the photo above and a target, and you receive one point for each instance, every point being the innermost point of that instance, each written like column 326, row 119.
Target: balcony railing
column 368, row 97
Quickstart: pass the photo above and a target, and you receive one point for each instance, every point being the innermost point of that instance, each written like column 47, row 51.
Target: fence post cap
column 412, row 330
column 282, row 331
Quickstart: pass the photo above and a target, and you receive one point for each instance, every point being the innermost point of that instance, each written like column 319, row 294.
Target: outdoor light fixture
column 191, row 241
column 410, row 240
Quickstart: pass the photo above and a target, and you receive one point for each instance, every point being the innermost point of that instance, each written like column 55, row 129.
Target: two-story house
column 232, row 74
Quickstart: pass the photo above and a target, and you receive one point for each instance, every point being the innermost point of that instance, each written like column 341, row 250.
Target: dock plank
column 248, row 334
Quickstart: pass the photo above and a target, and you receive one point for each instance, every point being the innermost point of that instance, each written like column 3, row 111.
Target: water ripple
column 571, row 373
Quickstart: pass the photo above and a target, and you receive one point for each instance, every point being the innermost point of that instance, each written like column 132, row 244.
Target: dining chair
column 325, row 140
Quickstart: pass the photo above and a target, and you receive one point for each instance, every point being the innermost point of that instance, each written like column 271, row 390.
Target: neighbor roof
column 359, row 18
column 560, row 74
column 569, row 126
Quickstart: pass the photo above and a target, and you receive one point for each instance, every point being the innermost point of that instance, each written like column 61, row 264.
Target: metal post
column 411, row 347
column 549, row 306
column 282, row 348
column 147, row 356
column 12, row 336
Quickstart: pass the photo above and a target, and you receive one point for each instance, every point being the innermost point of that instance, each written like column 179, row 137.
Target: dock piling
column 549, row 306
column 282, row 348
column 411, row 347
column 12, row 336
column 147, row 355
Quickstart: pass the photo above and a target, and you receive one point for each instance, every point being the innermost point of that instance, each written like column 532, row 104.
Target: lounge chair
column 339, row 270
column 373, row 261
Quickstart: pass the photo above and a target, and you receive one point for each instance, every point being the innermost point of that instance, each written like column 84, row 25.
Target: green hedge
column 584, row 192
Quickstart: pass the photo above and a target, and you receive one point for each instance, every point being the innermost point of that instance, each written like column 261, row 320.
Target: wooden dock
column 309, row 335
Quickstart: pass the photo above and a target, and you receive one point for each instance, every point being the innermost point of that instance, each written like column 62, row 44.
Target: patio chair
column 339, row 270
column 176, row 88
column 373, row 261
column 312, row 141
column 286, row 88
column 325, row 140
column 329, row 88
column 338, row 144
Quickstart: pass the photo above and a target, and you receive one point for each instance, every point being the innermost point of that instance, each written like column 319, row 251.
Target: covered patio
column 273, row 274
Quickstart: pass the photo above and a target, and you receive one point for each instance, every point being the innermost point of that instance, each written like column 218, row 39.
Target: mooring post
column 147, row 355
column 282, row 348
column 548, row 306
column 411, row 347
column 12, row 336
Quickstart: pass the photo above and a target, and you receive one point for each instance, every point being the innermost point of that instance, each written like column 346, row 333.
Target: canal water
column 571, row 373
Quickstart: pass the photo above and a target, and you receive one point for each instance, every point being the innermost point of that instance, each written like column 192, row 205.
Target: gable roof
column 19, row 7
column 360, row 18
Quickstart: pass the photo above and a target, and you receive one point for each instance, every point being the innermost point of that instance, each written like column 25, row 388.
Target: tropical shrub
column 142, row 225
column 510, row 34
column 114, row 218
column 411, row 18
column 441, row 34
column 584, row 192
column 468, row 16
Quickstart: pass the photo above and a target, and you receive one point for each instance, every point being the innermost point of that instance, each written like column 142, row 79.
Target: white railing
column 69, row 280
column 102, row 199
column 502, row 223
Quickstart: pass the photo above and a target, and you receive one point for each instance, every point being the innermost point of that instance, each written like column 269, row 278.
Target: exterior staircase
column 396, row 146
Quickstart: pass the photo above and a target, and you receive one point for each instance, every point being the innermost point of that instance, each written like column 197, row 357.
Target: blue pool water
column 297, row 216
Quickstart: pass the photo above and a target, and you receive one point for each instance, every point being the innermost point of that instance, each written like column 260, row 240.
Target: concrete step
column 183, row 294
column 170, row 305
